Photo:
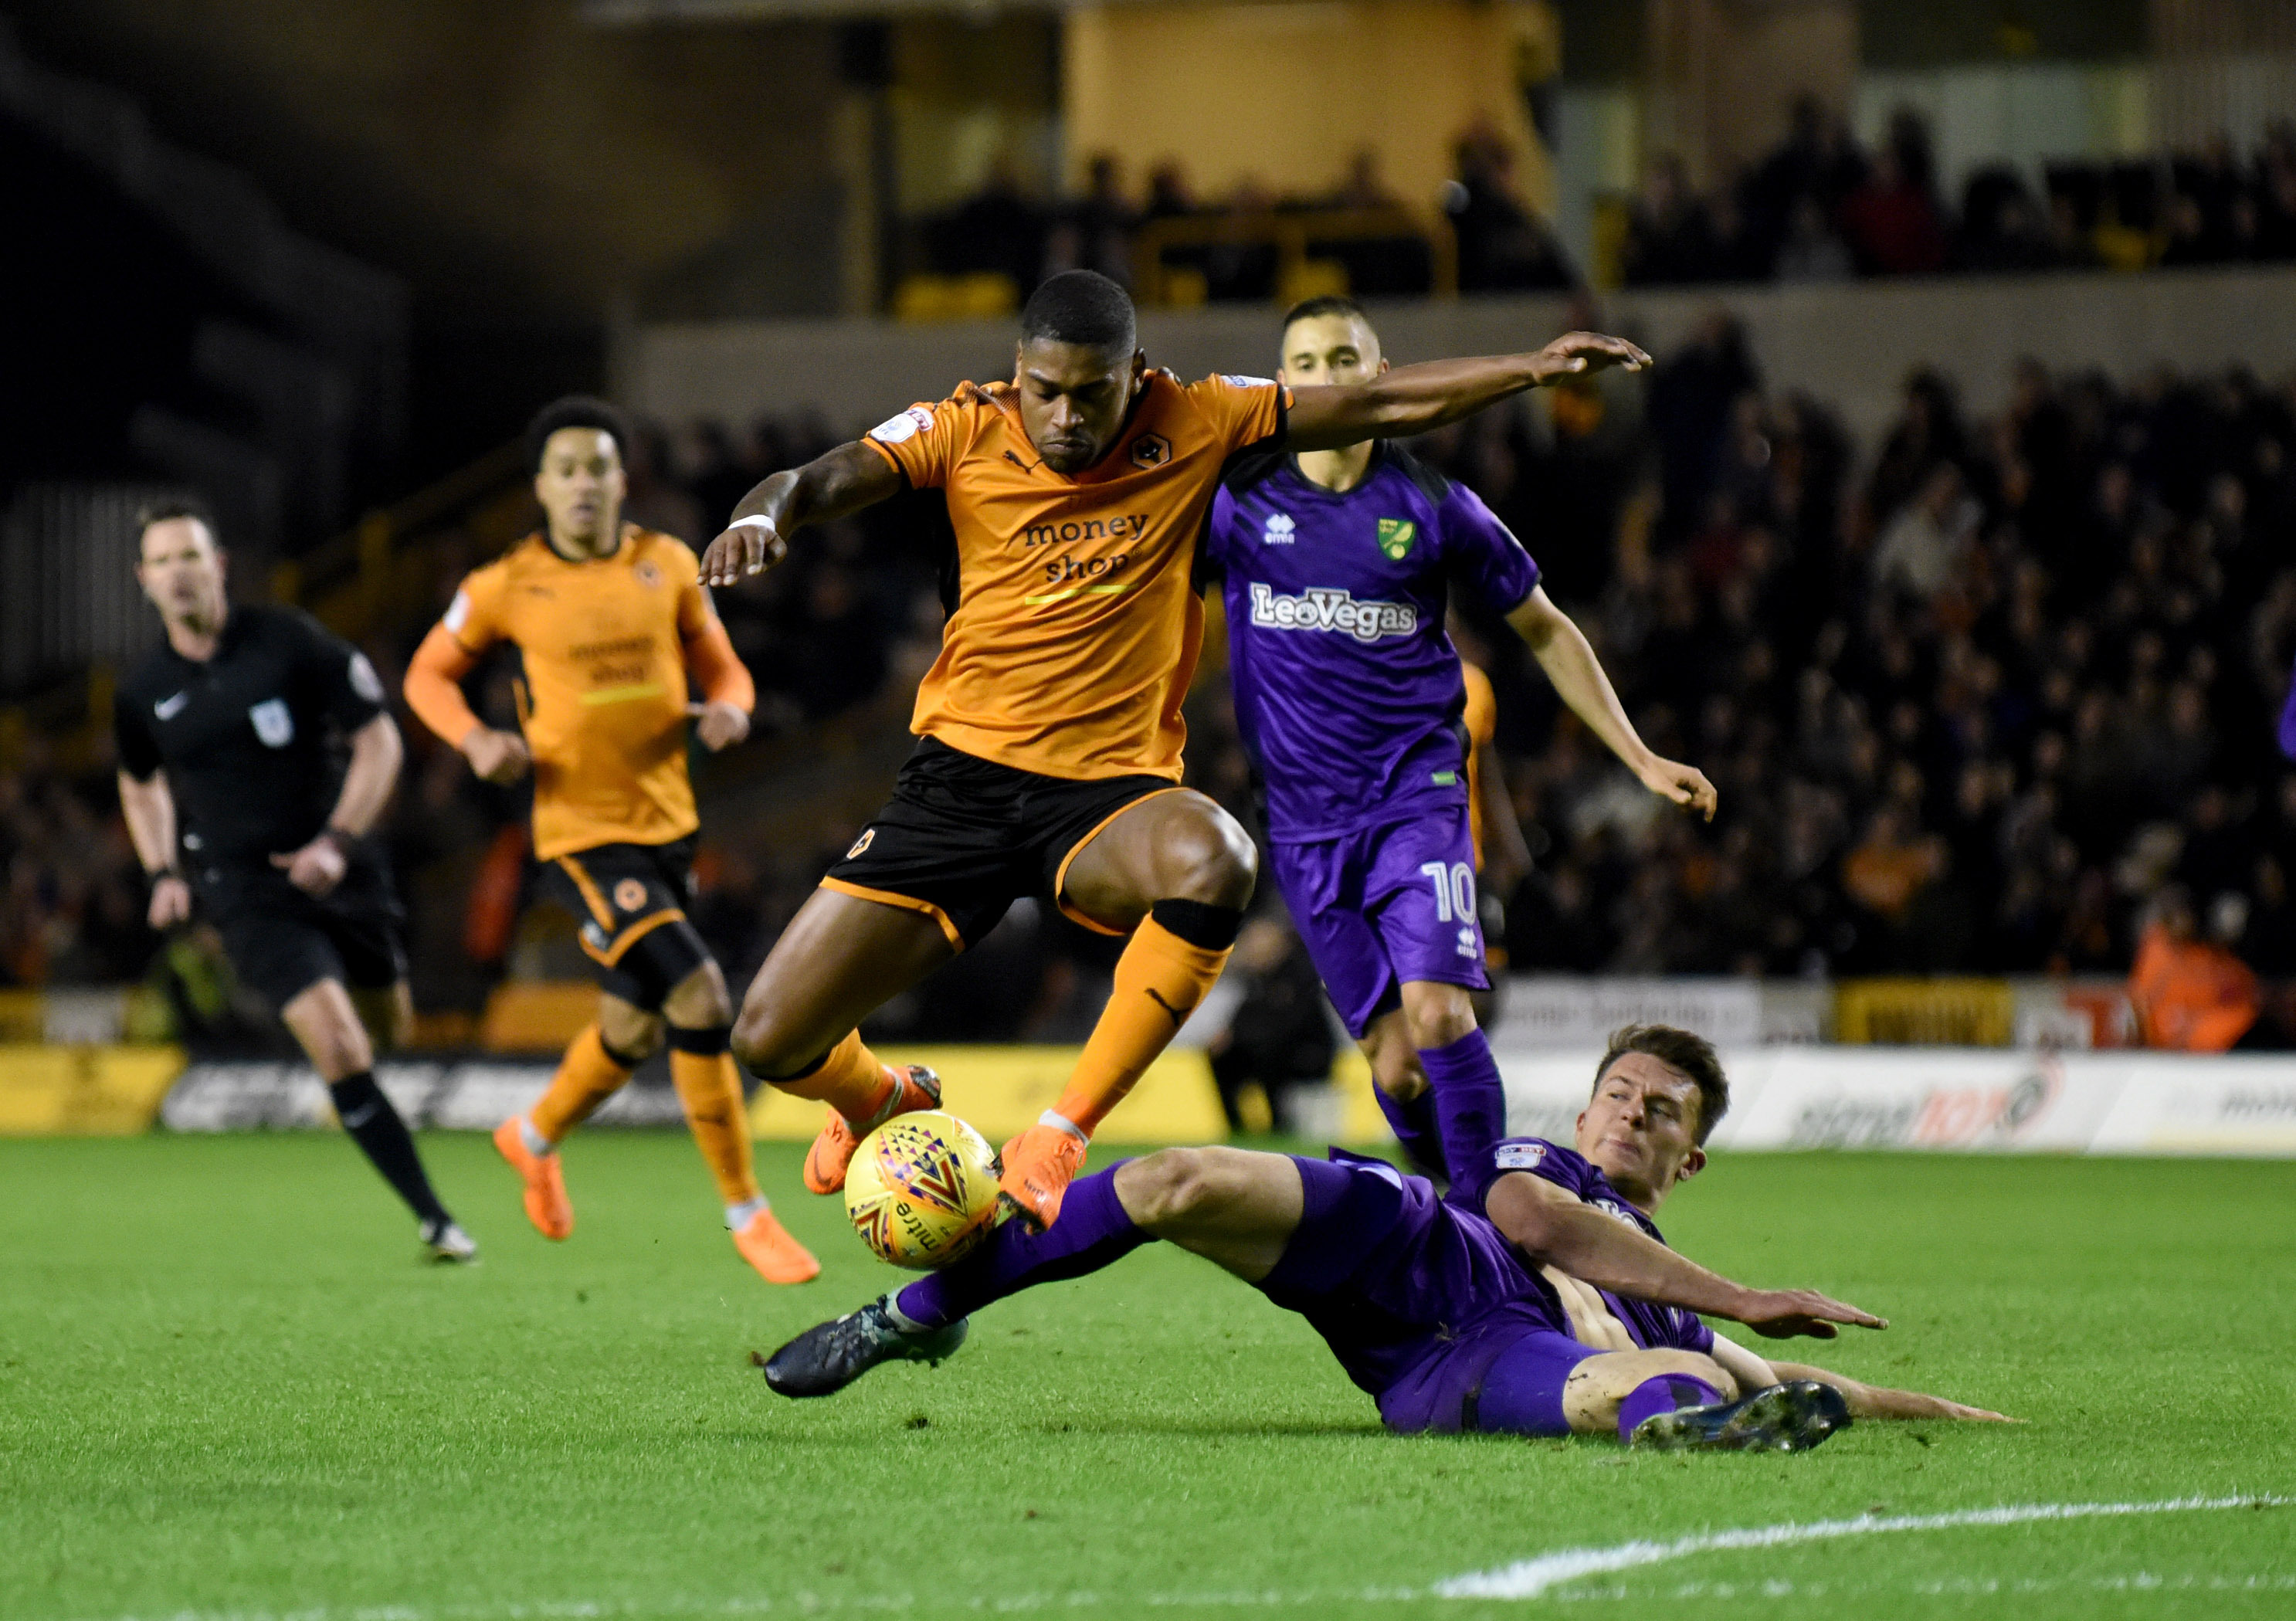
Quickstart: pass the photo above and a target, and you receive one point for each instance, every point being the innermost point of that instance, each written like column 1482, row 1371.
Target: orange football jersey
column 604, row 643
column 1076, row 628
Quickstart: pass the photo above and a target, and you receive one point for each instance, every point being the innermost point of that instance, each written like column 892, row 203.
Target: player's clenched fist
column 497, row 756
column 750, row 545
column 721, row 726
column 171, row 903
column 1686, row 785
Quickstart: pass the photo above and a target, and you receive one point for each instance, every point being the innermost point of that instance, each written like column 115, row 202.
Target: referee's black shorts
column 631, row 901
column 963, row 837
column 282, row 942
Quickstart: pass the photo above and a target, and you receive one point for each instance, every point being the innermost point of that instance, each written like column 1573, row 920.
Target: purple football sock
column 1092, row 1231
column 1469, row 1110
column 1413, row 1122
column 1663, row 1393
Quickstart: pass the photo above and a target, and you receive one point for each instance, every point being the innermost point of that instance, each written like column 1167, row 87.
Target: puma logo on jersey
column 1178, row 1017
column 168, row 708
column 1320, row 607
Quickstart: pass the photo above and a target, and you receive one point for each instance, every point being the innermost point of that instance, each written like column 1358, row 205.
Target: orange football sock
column 1159, row 979
column 587, row 1076
column 709, row 1090
column 852, row 1080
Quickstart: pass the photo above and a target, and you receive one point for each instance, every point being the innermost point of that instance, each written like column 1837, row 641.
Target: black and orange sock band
column 705, row 1041
column 1207, row 928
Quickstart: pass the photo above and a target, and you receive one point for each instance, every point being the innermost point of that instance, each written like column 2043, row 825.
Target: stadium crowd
column 1975, row 699
column 1819, row 207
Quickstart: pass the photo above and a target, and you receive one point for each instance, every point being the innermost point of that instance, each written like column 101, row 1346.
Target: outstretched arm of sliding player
column 835, row 484
column 1880, row 1402
column 1416, row 398
column 1555, row 1228
column 1564, row 653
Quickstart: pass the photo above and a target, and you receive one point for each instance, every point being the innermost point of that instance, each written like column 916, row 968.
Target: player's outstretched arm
column 1555, row 1228
column 1564, row 653
column 1418, row 398
column 835, row 484
column 1880, row 1402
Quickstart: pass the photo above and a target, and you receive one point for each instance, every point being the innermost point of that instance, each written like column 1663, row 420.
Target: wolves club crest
column 1151, row 450
column 868, row 836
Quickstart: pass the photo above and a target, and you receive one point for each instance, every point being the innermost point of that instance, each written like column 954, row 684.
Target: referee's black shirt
column 254, row 741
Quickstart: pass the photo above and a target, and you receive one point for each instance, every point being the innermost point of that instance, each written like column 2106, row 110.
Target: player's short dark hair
column 574, row 410
column 1678, row 1049
column 168, row 508
column 1083, row 307
column 1325, row 304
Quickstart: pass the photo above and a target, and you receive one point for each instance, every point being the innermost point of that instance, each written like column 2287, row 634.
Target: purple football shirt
column 1653, row 1327
column 1346, row 690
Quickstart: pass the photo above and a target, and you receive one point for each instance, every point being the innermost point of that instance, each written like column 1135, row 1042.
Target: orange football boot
column 1039, row 1164
column 546, row 1203
column 766, row 1245
column 915, row 1087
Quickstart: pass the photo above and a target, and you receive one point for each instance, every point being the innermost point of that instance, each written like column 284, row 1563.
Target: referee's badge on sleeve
column 274, row 723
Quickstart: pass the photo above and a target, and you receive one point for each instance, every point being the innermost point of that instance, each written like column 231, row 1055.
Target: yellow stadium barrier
column 83, row 1091
column 1925, row 1012
column 23, row 1015
column 536, row 1016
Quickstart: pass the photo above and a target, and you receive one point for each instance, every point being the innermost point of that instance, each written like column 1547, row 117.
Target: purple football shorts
column 1422, row 1301
column 1386, row 906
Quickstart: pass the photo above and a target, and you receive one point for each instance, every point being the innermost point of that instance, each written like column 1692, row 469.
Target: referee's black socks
column 366, row 1113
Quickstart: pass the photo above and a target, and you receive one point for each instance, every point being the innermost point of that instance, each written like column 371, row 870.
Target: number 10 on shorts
column 1453, row 883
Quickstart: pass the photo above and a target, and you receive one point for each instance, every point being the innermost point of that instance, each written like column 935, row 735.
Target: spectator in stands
column 996, row 231
column 1812, row 250
column 1503, row 247
column 1094, row 231
column 1669, row 234
column 2001, row 229
column 1364, row 186
column 1893, row 220
column 2190, row 994
column 1818, row 164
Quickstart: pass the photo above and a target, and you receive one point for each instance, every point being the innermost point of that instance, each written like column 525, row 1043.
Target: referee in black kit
column 238, row 793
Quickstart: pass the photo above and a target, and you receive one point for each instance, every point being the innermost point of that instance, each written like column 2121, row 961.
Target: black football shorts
column 629, row 900
column 963, row 837
column 282, row 942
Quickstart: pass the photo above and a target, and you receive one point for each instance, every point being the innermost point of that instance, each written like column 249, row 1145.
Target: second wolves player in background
column 608, row 619
column 1051, row 725
column 1349, row 697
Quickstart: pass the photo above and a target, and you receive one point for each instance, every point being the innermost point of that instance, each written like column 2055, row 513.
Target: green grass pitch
column 228, row 1390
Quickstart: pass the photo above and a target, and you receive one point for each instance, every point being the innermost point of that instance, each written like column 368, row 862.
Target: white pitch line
column 1530, row 1578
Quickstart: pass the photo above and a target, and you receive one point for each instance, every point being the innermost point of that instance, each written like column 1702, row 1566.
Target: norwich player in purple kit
column 1337, row 566
column 1562, row 1312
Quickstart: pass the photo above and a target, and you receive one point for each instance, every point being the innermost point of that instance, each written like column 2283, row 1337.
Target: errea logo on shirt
column 1278, row 532
column 1320, row 608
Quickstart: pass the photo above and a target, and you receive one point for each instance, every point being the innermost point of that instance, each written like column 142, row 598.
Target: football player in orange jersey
column 1050, row 725
column 608, row 619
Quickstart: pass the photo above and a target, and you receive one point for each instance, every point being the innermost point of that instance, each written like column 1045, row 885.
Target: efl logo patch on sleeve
column 1236, row 381
column 910, row 424
column 1520, row 1156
